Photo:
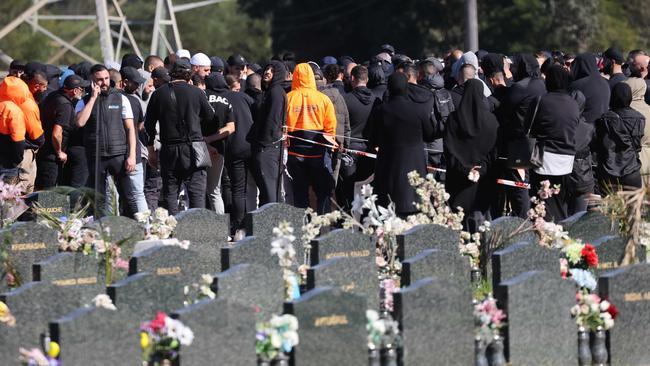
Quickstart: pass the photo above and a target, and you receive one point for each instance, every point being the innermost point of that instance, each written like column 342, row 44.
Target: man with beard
column 109, row 137
column 265, row 136
column 613, row 59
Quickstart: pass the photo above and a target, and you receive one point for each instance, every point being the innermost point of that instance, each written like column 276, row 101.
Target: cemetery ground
column 304, row 289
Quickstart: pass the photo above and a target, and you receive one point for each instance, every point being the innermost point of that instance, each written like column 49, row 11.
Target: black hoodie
column 377, row 81
column 360, row 102
column 272, row 115
column 587, row 79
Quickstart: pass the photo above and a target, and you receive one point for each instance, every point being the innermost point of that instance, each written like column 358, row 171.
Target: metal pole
column 156, row 28
column 172, row 17
column 105, row 38
column 471, row 26
column 60, row 41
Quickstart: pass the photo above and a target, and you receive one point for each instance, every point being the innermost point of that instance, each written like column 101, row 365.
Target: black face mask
column 608, row 66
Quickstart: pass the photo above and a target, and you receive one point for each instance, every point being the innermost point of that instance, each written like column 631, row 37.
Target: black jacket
column 57, row 108
column 557, row 118
column 618, row 135
column 587, row 79
column 360, row 102
column 272, row 115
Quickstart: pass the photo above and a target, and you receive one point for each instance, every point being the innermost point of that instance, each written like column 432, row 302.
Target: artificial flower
column 144, row 340
column 104, row 301
column 583, row 278
column 54, row 350
column 589, row 255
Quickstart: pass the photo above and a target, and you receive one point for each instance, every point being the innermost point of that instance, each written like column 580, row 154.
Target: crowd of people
column 234, row 135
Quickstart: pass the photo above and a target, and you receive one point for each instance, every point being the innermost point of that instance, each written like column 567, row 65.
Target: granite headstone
column 121, row 229
column 250, row 249
column 435, row 263
column 206, row 231
column 354, row 275
column 590, row 226
column 611, row 250
column 427, row 236
column 54, row 203
column 171, row 261
column 77, row 276
column 262, row 221
column 522, row 257
column 342, row 243
column 144, row 294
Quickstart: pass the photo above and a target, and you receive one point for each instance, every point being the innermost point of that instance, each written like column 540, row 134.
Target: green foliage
column 482, row 289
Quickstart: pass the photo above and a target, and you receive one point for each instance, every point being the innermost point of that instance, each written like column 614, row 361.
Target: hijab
column 472, row 129
column 397, row 84
column 621, row 96
column 557, row 79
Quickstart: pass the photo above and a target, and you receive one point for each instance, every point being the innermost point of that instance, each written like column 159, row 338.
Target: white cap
column 183, row 53
column 200, row 59
column 112, row 65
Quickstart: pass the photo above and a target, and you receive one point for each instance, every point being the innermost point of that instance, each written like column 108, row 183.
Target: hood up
column 15, row 90
column 584, row 65
column 303, row 77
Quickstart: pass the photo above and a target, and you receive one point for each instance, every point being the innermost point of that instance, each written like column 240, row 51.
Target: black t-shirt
column 56, row 109
column 223, row 114
column 138, row 117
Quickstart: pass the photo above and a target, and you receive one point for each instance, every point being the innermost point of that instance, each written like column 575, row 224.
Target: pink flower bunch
column 488, row 315
column 387, row 289
column 546, row 191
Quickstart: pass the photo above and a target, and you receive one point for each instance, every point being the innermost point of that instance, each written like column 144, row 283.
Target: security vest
column 107, row 112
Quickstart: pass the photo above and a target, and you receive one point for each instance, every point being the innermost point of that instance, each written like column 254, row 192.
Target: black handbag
column 199, row 149
column 526, row 152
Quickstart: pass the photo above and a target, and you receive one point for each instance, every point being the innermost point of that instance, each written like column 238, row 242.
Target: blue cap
column 329, row 60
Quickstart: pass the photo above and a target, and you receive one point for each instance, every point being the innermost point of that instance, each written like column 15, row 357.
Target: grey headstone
column 354, row 275
column 28, row 243
column 523, row 257
column 346, row 243
column 611, row 250
column 569, row 221
column 428, row 236
column 77, row 276
column 504, row 231
column 206, row 231
column 262, row 221
column 143, row 245
column 98, row 337
column 224, row 330
column 435, row 263
column 121, row 229
column 629, row 289
column 186, row 265
column 144, row 294
column 332, row 328
column 539, row 330
column 252, row 284
column 250, row 249
column 590, row 226
column 436, row 320
column 51, row 202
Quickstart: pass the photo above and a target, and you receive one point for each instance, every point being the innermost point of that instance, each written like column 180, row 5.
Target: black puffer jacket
column 619, row 134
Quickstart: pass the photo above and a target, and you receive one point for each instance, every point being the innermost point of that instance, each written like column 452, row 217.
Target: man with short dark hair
column 160, row 77
column 153, row 62
column 334, row 76
column 613, row 60
column 16, row 68
column 109, row 136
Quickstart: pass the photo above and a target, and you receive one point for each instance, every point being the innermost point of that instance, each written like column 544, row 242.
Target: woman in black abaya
column 470, row 149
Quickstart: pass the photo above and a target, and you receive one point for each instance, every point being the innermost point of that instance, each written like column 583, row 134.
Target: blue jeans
column 134, row 196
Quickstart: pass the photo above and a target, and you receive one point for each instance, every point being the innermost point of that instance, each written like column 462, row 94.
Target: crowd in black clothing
column 463, row 117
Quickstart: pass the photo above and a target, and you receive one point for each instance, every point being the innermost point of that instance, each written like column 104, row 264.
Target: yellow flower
column 4, row 309
column 54, row 350
column 144, row 340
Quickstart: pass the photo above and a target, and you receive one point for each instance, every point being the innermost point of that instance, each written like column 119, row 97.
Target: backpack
column 443, row 105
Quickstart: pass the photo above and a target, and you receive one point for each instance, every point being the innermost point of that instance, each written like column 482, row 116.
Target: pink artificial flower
column 121, row 264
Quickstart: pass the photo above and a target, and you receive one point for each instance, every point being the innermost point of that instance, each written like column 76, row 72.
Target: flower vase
column 373, row 357
column 280, row 360
column 475, row 275
column 599, row 348
column 497, row 358
column 479, row 353
column 388, row 356
column 261, row 362
column 584, row 352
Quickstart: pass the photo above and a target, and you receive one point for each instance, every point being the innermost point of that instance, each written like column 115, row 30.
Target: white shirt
column 556, row 164
column 127, row 112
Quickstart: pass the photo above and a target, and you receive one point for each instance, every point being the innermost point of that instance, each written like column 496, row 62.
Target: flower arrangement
column 550, row 234
column 161, row 339
column 382, row 332
column 12, row 204
column 35, row 357
column 488, row 319
column 5, row 315
column 158, row 225
column 282, row 246
column 579, row 262
column 103, row 301
column 312, row 226
column 387, row 287
column 592, row 312
column 199, row 291
column 277, row 336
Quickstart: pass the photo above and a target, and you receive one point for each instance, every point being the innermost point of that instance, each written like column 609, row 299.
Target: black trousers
column 556, row 206
column 113, row 165
column 152, row 185
column 609, row 183
column 266, row 172
column 360, row 169
column 314, row 172
column 237, row 172
column 47, row 172
column 75, row 171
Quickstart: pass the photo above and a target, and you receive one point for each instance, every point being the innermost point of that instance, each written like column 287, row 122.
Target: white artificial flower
column 276, row 340
column 292, row 337
column 184, row 244
column 173, row 327
column 104, row 301
column 161, row 214
column 594, row 307
column 604, row 305
column 372, row 315
column 143, row 216
column 171, row 221
column 185, row 336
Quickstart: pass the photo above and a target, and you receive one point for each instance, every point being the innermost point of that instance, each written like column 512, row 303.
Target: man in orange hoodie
column 15, row 90
column 12, row 140
column 310, row 116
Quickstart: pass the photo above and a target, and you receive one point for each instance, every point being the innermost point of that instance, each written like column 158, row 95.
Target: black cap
column 236, row 60
column 75, row 81
column 614, row 54
column 131, row 74
column 217, row 63
column 32, row 66
column 388, row 48
column 17, row 65
column 181, row 65
column 132, row 60
column 160, row 73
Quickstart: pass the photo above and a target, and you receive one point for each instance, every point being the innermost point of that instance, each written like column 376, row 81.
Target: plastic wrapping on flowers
column 277, row 336
column 162, row 337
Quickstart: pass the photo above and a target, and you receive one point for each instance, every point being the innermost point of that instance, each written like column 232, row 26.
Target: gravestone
column 354, row 275
column 121, row 229
column 27, row 243
column 206, row 231
column 436, row 263
column 539, row 330
column 98, row 337
column 436, row 322
column 504, row 231
column 629, row 289
column 611, row 250
column 252, row 284
column 262, row 221
column 74, row 274
column 224, row 330
column 144, row 294
column 332, row 328
column 523, row 257
column 590, row 226
column 427, row 236
column 569, row 221
column 346, row 243
column 186, row 265
column 53, row 203
column 250, row 249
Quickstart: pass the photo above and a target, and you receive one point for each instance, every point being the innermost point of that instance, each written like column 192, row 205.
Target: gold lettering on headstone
column 636, row 296
column 354, row 253
column 330, row 321
column 27, row 246
column 607, row 265
column 76, row 281
column 168, row 271
column 53, row 209
column 349, row 287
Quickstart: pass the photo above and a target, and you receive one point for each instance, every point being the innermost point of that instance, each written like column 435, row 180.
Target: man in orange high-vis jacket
column 16, row 90
column 310, row 116
column 12, row 140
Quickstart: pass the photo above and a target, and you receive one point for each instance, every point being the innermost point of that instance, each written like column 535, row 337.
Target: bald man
column 639, row 68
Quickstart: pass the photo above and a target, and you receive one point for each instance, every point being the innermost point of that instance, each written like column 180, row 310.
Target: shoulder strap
column 530, row 127
column 175, row 108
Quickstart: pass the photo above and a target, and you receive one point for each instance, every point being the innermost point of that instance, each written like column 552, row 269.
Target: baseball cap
column 388, row 49
column 132, row 74
column 217, row 63
column 236, row 60
column 614, row 54
column 131, row 59
column 75, row 81
column 183, row 53
column 200, row 59
column 182, row 65
column 329, row 60
column 160, row 73
column 17, row 65
column 384, row 56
